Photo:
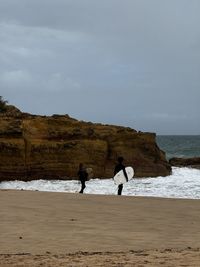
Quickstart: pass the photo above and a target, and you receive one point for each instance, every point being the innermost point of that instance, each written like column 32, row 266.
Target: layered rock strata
column 42, row 147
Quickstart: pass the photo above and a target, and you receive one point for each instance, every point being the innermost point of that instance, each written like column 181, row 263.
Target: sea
column 182, row 183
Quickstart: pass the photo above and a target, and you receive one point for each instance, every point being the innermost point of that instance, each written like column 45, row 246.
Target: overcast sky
column 128, row 62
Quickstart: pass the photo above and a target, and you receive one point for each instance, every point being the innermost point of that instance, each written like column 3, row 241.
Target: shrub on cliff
column 3, row 104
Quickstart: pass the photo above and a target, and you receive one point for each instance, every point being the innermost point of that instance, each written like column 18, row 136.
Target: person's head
column 120, row 159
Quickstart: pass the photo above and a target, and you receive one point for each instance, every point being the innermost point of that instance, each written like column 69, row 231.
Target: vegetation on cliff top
column 3, row 104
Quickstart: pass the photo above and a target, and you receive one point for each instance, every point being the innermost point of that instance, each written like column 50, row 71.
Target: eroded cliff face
column 40, row 147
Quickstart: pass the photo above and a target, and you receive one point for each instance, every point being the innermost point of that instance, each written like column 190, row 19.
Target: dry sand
column 61, row 229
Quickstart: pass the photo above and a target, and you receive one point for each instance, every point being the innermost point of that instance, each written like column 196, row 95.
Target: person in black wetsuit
column 119, row 166
column 82, row 174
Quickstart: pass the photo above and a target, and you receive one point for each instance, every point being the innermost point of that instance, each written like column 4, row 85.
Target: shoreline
column 102, row 195
column 182, row 184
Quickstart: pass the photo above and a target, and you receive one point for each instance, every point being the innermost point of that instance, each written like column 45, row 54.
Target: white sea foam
column 183, row 183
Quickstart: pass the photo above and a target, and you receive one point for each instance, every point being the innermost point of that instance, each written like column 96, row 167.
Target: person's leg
column 120, row 187
column 82, row 186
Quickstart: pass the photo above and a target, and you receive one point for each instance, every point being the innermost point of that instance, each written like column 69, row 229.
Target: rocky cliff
column 41, row 147
column 186, row 162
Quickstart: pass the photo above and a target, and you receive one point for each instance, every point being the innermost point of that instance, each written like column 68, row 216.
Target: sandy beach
column 63, row 229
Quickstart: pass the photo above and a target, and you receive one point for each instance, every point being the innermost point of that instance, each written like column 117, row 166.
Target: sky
column 133, row 63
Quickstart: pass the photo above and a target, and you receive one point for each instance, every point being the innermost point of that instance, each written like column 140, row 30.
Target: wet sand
column 55, row 229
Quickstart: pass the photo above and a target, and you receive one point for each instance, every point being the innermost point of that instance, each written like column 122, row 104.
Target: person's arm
column 86, row 175
column 125, row 174
column 79, row 176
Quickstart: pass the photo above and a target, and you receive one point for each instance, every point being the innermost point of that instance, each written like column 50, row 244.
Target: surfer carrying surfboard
column 119, row 166
column 82, row 174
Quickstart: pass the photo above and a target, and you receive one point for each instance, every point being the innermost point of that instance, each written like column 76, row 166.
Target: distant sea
column 183, row 146
column 182, row 183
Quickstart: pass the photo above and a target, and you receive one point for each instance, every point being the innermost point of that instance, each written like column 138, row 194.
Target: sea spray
column 183, row 183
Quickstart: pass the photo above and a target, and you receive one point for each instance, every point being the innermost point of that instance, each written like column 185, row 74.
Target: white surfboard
column 119, row 177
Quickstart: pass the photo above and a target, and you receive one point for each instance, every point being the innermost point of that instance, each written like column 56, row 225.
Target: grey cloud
column 109, row 61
